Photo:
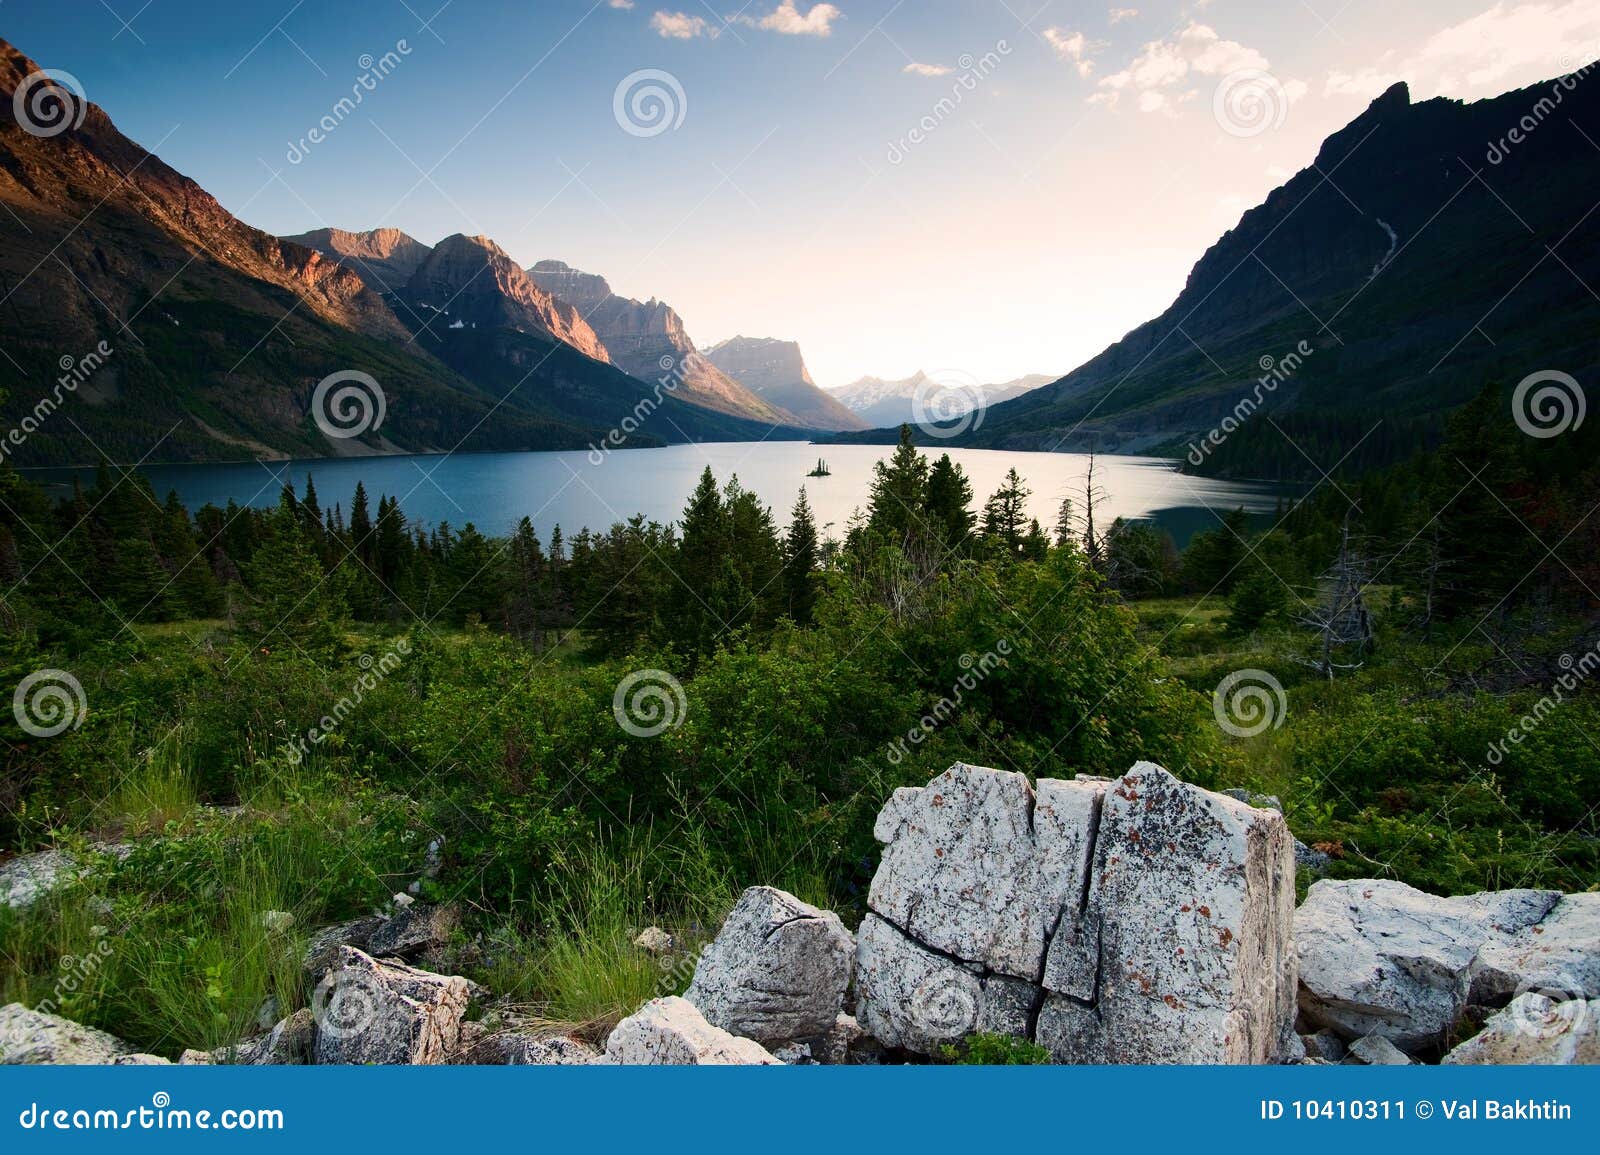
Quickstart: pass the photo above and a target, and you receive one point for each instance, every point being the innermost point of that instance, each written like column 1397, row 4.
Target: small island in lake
column 821, row 470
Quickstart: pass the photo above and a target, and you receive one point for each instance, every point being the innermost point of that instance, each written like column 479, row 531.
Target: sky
column 984, row 187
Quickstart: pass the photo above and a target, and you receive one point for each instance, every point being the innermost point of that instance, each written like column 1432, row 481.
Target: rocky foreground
column 1134, row 920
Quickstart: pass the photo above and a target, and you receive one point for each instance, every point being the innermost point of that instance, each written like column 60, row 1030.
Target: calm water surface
column 494, row 490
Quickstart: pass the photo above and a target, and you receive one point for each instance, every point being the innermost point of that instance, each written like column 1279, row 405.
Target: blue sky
column 816, row 188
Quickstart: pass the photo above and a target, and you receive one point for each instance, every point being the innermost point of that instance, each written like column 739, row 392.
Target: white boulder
column 777, row 971
column 33, row 1038
column 672, row 1032
column 1535, row 1029
column 368, row 1011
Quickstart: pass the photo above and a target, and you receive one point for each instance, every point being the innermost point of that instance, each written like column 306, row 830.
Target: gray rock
column 415, row 928
column 194, row 1058
column 322, row 951
column 964, row 873
column 140, row 1059
column 525, row 1048
column 368, row 1011
column 777, row 971
column 292, row 1042
column 1558, row 956
column 1325, row 1045
column 909, row 997
column 1379, row 957
column 654, row 940
column 1182, row 950
column 32, row 1038
column 29, row 877
column 672, row 1032
column 1312, row 859
column 1377, row 1051
column 1535, row 1029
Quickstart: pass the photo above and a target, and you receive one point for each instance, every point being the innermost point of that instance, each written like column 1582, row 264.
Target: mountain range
column 1431, row 249
column 881, row 402
column 216, row 335
column 774, row 370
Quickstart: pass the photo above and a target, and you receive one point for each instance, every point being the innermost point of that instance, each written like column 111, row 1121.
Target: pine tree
column 949, row 504
column 800, row 556
column 1005, row 515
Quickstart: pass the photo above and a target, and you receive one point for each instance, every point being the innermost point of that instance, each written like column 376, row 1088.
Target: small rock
column 1325, row 1045
column 654, row 940
column 672, row 1032
column 322, row 951
column 521, row 1048
column 194, row 1058
column 1313, row 860
column 1377, row 1051
column 369, row 1011
column 414, row 929
column 777, row 971
column 1536, row 1029
column 36, row 1039
column 139, row 1059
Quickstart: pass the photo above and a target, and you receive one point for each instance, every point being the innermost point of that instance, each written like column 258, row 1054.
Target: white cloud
column 624, row 5
column 1503, row 47
column 1162, row 68
column 787, row 20
column 1074, row 46
column 1118, row 15
column 916, row 69
column 680, row 26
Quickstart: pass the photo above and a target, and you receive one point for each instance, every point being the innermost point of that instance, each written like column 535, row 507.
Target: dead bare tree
column 1341, row 617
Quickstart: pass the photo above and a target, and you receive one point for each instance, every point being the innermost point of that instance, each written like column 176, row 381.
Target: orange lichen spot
column 1206, row 911
column 938, row 799
column 1225, row 935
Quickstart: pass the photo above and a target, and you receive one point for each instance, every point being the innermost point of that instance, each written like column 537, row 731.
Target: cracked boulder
column 1379, row 957
column 777, row 971
column 368, row 1011
column 1535, row 1029
column 1182, row 949
column 911, row 997
column 415, row 928
column 1139, row 920
column 671, row 1032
